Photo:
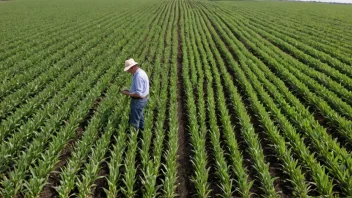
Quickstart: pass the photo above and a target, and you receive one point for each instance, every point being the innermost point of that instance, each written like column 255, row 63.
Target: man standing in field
column 138, row 92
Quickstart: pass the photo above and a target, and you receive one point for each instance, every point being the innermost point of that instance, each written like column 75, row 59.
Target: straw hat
column 129, row 63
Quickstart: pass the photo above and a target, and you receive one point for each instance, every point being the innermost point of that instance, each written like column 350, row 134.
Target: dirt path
column 184, row 164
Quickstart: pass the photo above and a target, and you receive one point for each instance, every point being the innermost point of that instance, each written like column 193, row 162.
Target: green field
column 248, row 99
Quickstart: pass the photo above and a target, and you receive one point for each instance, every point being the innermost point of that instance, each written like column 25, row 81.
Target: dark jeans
column 136, row 113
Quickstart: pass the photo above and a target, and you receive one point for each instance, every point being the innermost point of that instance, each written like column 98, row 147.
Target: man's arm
column 135, row 95
column 128, row 93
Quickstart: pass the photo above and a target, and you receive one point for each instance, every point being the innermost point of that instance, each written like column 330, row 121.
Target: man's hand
column 125, row 92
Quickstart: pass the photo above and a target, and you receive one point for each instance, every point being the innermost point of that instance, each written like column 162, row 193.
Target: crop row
column 237, row 48
column 266, row 107
column 34, row 185
column 223, row 54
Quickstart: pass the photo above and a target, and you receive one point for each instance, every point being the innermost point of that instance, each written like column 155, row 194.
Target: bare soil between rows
column 184, row 169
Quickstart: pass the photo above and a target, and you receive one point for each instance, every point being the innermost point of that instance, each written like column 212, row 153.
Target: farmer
column 138, row 92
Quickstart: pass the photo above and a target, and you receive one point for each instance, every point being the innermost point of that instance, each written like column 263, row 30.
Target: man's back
column 140, row 83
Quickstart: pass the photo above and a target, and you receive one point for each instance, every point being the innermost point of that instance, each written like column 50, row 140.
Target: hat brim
column 129, row 67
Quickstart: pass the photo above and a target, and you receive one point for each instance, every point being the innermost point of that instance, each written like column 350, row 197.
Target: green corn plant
column 130, row 166
column 116, row 159
column 320, row 136
column 237, row 160
column 199, row 157
column 170, row 156
column 250, row 137
column 222, row 168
